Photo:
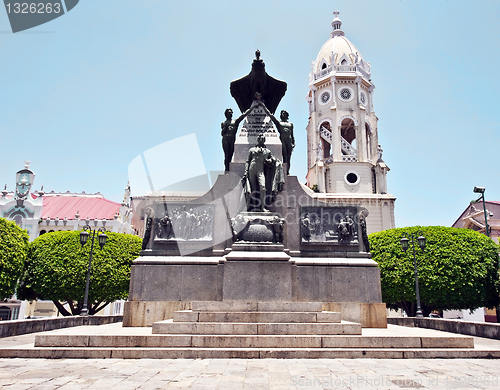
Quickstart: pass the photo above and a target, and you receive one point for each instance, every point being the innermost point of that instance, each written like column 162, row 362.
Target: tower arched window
column 326, row 139
column 323, row 66
column 348, row 140
column 368, row 141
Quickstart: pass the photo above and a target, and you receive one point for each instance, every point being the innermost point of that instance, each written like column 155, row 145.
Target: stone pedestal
column 257, row 273
column 252, row 263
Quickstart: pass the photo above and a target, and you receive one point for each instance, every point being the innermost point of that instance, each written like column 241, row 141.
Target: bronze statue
column 278, row 224
column 285, row 129
column 306, row 227
column 262, row 171
column 228, row 133
column 364, row 234
column 243, row 90
column 147, row 233
column 345, row 228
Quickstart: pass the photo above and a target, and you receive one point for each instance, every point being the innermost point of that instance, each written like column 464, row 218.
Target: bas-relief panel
column 329, row 225
column 183, row 222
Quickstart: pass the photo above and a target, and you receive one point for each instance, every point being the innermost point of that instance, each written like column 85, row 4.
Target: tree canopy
column 56, row 269
column 457, row 270
column 13, row 252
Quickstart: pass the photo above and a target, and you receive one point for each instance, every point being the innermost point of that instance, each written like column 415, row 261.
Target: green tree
column 56, row 269
column 458, row 269
column 13, row 251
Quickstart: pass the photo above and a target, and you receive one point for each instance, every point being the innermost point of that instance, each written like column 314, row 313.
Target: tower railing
column 341, row 68
column 345, row 68
column 326, row 134
column 349, row 153
column 322, row 72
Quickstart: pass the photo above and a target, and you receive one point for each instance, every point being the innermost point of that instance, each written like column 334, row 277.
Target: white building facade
column 40, row 212
column 344, row 157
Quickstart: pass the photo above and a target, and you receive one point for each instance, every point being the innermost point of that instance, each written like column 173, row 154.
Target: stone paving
column 233, row 374
column 17, row 374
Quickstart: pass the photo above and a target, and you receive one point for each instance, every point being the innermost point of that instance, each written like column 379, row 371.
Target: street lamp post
column 421, row 243
column 480, row 190
column 84, row 236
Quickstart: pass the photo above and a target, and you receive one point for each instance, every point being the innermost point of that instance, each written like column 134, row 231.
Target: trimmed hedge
column 13, row 251
column 57, row 265
column 458, row 269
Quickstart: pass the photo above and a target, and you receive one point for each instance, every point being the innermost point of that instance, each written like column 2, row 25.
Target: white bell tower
column 344, row 158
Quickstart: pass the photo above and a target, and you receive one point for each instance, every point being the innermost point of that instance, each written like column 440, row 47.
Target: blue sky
column 85, row 94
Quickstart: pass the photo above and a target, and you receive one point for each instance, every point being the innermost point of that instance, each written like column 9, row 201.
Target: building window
column 325, row 144
column 348, row 140
column 368, row 142
column 352, row 178
column 5, row 313
column 325, row 97
column 363, row 99
column 346, row 94
column 18, row 220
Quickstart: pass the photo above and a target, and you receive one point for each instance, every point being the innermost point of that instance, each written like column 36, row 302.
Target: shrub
column 458, row 269
column 57, row 265
column 13, row 252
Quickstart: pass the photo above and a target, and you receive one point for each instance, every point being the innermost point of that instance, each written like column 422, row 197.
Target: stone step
column 246, row 341
column 259, row 317
column 242, row 328
column 256, row 256
column 253, row 247
column 245, row 353
column 239, row 306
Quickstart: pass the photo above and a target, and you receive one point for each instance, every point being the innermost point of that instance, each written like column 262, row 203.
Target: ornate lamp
column 84, row 236
column 405, row 243
column 102, row 239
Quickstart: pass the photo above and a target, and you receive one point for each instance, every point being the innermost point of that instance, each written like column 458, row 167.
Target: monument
column 258, row 235
column 259, row 266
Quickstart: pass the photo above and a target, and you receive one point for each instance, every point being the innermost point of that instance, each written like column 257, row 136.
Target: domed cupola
column 339, row 54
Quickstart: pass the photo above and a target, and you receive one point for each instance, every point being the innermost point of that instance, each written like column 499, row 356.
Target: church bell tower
column 344, row 157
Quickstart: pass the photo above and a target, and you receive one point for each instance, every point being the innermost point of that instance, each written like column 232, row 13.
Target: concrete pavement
column 19, row 373
column 234, row 374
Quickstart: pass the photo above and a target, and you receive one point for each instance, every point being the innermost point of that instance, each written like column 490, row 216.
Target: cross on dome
column 337, row 24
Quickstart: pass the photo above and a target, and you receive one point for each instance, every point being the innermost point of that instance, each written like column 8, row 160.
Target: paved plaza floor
column 19, row 373
column 233, row 374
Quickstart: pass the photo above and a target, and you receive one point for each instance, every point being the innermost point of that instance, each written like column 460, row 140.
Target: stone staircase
column 256, row 318
column 251, row 330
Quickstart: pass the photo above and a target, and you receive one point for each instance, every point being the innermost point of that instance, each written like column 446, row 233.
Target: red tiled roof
column 87, row 207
